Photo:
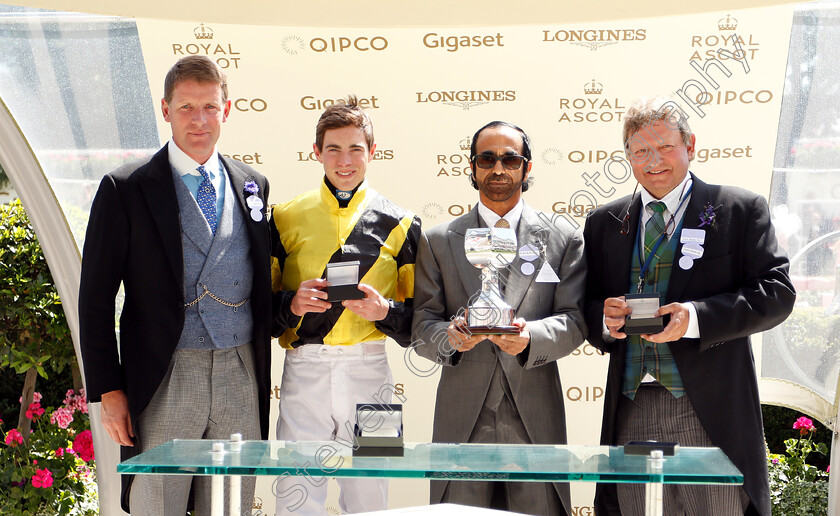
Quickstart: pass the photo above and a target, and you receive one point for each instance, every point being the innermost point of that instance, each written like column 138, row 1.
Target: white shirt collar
column 184, row 164
column 490, row 217
column 672, row 198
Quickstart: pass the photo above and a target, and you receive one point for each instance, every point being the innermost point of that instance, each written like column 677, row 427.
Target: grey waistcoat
column 222, row 263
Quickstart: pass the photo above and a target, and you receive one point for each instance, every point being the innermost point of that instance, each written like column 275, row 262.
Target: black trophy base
column 343, row 293
column 646, row 326
column 645, row 447
column 493, row 330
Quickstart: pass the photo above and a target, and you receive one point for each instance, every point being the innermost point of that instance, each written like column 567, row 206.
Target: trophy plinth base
column 646, row 326
column 339, row 293
column 493, row 330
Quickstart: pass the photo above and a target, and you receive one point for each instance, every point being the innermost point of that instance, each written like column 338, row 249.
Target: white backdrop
column 428, row 89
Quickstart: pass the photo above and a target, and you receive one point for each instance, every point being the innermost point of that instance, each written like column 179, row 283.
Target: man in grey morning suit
column 186, row 234
column 501, row 389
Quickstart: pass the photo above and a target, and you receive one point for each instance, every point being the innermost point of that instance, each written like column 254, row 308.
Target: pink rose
column 804, row 425
column 43, row 478
column 62, row 417
column 34, row 411
column 83, row 446
column 14, row 437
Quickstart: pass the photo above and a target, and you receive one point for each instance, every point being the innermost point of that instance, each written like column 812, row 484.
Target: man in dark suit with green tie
column 708, row 256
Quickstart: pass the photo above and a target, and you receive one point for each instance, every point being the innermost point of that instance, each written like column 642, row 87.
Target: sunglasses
column 509, row 161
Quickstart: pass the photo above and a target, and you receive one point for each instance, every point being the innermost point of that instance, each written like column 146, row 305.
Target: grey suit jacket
column 445, row 280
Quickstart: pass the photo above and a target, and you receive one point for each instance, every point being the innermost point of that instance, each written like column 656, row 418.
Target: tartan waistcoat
column 645, row 357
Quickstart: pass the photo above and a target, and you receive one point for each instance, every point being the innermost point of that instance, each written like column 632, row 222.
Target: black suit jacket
column 134, row 237
column 739, row 286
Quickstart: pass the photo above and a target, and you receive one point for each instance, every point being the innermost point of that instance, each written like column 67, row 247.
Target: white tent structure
column 76, row 102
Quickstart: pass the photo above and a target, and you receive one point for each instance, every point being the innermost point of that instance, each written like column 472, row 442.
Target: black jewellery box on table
column 379, row 430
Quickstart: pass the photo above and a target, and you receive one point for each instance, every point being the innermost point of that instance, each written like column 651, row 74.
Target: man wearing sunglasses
column 501, row 388
column 707, row 256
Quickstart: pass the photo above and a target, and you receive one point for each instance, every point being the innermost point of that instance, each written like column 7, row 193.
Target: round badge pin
column 527, row 268
column 254, row 202
column 256, row 215
column 686, row 262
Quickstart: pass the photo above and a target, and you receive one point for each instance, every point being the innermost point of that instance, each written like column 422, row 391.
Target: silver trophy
column 491, row 250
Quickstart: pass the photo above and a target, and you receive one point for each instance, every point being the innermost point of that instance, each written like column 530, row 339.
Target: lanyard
column 643, row 268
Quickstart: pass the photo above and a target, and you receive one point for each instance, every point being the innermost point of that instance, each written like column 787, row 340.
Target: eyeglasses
column 488, row 161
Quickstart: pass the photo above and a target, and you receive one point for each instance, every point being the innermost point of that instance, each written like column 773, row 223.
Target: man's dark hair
column 200, row 69
column 341, row 114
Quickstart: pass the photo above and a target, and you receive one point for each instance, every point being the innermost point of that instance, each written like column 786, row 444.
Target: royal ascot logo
column 202, row 32
column 292, row 44
column 431, row 211
column 203, row 44
column 454, row 43
column 593, row 88
column 551, row 156
column 310, row 103
column 727, row 23
column 455, row 164
column 735, row 46
column 465, row 99
column 592, row 107
column 593, row 39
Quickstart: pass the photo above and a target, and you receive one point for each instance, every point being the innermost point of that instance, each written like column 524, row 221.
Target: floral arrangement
column 52, row 472
column 797, row 487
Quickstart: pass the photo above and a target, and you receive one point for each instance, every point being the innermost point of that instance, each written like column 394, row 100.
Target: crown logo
column 258, row 503
column 593, row 88
column 202, row 32
column 727, row 23
column 466, row 143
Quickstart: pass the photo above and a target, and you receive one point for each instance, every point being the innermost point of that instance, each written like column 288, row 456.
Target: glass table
column 500, row 462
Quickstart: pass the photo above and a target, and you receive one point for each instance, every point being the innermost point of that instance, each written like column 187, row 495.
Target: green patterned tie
column 654, row 227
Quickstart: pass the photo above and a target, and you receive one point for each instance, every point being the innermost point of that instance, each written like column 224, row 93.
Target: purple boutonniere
column 708, row 216
column 252, row 188
column 255, row 204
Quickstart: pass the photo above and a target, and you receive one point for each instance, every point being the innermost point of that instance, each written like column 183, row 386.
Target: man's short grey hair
column 646, row 111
